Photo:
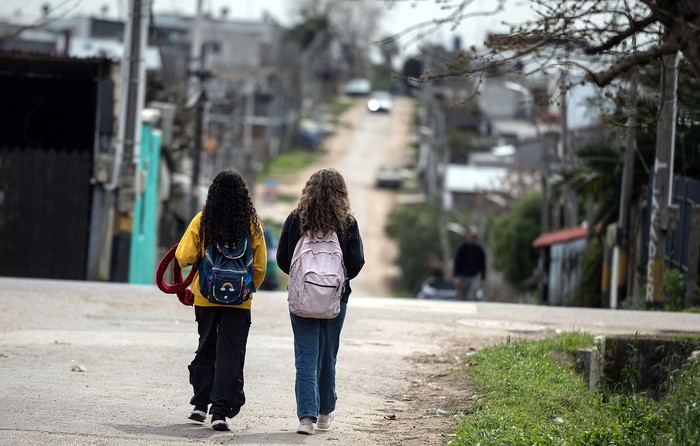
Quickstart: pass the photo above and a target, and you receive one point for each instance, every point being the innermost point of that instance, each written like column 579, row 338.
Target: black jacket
column 350, row 244
column 470, row 260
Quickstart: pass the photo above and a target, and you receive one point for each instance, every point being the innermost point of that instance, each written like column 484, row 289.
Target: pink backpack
column 316, row 276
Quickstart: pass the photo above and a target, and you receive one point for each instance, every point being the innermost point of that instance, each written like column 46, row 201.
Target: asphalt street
column 134, row 344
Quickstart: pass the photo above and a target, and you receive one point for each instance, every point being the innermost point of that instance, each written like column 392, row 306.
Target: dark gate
column 47, row 140
column 44, row 221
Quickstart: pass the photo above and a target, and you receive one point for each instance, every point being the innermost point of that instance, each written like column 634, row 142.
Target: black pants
column 216, row 372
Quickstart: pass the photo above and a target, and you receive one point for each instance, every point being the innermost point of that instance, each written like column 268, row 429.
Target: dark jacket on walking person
column 216, row 372
column 469, row 268
column 324, row 206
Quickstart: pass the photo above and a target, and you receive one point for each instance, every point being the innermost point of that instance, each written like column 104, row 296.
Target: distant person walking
column 216, row 372
column 324, row 207
column 469, row 268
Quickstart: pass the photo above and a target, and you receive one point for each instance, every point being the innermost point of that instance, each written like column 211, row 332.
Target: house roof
column 561, row 236
column 473, row 179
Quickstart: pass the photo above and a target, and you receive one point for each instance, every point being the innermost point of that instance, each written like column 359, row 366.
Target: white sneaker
column 324, row 421
column 218, row 423
column 306, row 426
column 198, row 415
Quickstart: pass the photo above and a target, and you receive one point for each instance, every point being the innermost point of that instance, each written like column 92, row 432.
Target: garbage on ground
column 75, row 367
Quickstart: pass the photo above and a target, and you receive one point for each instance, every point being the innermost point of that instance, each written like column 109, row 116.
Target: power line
column 45, row 20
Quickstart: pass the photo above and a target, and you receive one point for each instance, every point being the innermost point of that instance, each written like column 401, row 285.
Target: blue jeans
column 316, row 343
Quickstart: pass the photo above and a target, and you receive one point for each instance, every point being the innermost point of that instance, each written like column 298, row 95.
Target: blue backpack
column 226, row 274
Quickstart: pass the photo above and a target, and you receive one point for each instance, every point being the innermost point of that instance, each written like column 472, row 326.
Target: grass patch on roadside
column 531, row 395
column 338, row 105
column 287, row 165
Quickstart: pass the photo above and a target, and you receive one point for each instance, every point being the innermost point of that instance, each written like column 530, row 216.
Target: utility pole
column 548, row 147
column 125, row 175
column 436, row 177
column 661, row 215
column 197, row 152
column 622, row 236
column 442, row 220
column 570, row 205
column 195, row 83
column 249, row 156
column 134, row 87
column 196, row 98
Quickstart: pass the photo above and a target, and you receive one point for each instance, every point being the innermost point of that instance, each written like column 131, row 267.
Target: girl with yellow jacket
column 216, row 372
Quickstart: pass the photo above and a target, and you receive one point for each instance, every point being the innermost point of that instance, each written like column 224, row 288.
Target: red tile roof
column 562, row 236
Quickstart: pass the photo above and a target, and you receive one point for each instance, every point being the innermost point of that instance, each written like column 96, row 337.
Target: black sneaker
column 199, row 414
column 218, row 423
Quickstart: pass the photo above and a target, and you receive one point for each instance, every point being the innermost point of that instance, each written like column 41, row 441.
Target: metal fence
column 686, row 193
column 45, row 200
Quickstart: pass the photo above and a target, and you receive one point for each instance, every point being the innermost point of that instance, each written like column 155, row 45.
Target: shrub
column 511, row 237
column 415, row 230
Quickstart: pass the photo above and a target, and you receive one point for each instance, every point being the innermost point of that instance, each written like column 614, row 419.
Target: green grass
column 287, row 198
column 286, row 166
column 338, row 105
column 530, row 394
column 681, row 407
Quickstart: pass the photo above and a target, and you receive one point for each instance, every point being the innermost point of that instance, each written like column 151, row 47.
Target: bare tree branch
column 635, row 27
column 604, row 78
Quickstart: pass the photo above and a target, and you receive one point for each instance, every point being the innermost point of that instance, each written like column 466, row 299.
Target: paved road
column 360, row 144
column 136, row 343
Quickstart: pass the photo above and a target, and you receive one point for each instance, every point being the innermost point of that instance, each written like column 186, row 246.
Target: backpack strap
column 179, row 286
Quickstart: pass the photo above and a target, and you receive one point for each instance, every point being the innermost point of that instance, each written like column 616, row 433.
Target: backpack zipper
column 321, row 285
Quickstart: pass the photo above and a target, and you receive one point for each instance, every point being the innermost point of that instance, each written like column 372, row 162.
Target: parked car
column 437, row 288
column 358, row 87
column 380, row 101
column 310, row 134
column 390, row 177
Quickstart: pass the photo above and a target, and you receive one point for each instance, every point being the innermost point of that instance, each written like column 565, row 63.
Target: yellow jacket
column 189, row 248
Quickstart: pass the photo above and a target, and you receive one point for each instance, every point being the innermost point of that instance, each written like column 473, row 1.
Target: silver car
column 380, row 101
column 358, row 87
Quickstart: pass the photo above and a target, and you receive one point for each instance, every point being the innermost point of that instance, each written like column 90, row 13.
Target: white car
column 358, row 87
column 380, row 101
column 389, row 177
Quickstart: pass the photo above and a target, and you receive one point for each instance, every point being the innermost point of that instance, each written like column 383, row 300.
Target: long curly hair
column 228, row 212
column 324, row 204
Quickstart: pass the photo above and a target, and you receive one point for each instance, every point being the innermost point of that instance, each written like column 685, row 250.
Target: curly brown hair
column 324, row 204
column 228, row 212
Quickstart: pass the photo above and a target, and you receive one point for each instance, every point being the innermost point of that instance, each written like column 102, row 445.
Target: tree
column 596, row 174
column 597, row 170
column 311, row 25
column 510, row 240
column 415, row 230
column 603, row 39
column 389, row 49
column 353, row 25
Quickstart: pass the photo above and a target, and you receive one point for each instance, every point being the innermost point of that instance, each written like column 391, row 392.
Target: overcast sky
column 398, row 15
